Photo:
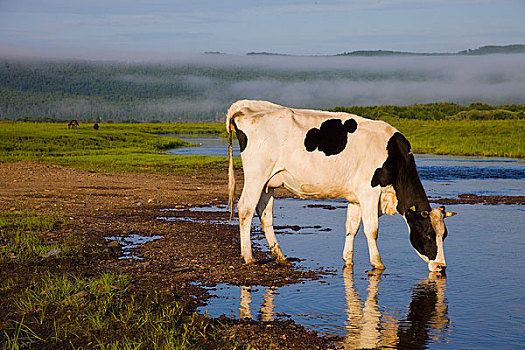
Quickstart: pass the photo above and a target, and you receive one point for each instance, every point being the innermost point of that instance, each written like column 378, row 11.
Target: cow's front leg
column 370, row 226
column 353, row 220
column 265, row 212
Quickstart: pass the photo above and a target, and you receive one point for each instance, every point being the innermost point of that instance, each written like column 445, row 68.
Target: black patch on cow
column 331, row 137
column 399, row 170
column 241, row 136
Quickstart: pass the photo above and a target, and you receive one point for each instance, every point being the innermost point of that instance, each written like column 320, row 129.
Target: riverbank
column 91, row 209
column 138, row 148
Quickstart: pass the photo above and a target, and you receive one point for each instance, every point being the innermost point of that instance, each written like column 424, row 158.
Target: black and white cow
column 317, row 154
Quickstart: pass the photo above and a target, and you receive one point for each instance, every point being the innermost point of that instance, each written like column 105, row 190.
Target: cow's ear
column 410, row 211
column 446, row 214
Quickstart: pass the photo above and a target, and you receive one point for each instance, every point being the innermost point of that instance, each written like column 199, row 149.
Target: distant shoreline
column 483, row 50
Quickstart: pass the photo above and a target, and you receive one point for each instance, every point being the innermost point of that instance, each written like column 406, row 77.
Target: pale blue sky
column 160, row 29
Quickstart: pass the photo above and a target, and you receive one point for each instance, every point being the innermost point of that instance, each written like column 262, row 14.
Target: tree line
column 439, row 111
column 62, row 90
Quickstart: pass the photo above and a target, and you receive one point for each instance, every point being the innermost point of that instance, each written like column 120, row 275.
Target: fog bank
column 325, row 82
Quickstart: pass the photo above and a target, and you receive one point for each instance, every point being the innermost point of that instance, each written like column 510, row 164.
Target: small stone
column 52, row 252
column 114, row 243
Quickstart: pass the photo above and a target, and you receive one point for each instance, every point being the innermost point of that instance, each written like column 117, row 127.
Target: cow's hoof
column 249, row 261
column 281, row 260
column 349, row 263
column 378, row 266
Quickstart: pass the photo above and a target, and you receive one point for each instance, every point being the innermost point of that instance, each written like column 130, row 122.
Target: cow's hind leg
column 246, row 205
column 265, row 212
column 370, row 225
column 353, row 220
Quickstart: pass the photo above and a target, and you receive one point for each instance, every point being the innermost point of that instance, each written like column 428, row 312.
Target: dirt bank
column 190, row 255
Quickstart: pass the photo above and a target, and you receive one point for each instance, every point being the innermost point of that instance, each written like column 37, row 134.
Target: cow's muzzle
column 434, row 266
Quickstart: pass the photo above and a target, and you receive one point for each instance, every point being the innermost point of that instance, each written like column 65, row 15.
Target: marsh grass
column 491, row 138
column 103, row 312
column 21, row 236
column 114, row 147
column 54, row 303
column 140, row 148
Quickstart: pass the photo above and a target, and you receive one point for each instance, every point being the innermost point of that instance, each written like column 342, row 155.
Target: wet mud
column 469, row 198
column 112, row 213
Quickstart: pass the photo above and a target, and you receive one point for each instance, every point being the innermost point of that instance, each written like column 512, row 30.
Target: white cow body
column 274, row 155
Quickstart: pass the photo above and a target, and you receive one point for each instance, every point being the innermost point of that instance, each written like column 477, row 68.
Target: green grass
column 139, row 148
column 56, row 305
column 500, row 138
column 33, row 140
column 21, row 239
column 103, row 312
column 114, row 147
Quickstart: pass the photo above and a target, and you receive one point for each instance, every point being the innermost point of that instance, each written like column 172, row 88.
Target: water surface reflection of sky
column 480, row 304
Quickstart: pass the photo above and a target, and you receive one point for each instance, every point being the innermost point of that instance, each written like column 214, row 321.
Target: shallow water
column 210, row 145
column 128, row 244
column 480, row 304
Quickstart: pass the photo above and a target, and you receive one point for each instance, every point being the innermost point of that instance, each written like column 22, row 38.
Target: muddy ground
column 101, row 205
column 190, row 254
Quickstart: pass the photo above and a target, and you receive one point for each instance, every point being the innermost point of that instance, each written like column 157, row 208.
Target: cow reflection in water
column 266, row 311
column 368, row 328
column 366, row 325
column 427, row 316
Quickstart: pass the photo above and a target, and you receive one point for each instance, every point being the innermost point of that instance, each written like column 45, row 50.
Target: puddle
column 129, row 243
column 219, row 220
column 211, row 208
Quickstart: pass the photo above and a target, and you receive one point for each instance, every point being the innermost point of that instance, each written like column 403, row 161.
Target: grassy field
column 44, row 306
column 114, row 147
column 139, row 148
column 491, row 138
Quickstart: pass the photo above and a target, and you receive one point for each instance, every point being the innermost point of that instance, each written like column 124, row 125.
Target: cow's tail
column 231, row 170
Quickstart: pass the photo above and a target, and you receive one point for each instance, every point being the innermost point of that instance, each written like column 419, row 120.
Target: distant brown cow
column 95, row 126
column 73, row 124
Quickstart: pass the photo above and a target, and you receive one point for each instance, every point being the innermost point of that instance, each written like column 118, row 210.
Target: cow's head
column 427, row 233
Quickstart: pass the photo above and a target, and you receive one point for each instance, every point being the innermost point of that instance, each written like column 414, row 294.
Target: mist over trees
column 200, row 88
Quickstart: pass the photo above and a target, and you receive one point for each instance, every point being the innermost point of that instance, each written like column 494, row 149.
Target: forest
column 202, row 91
